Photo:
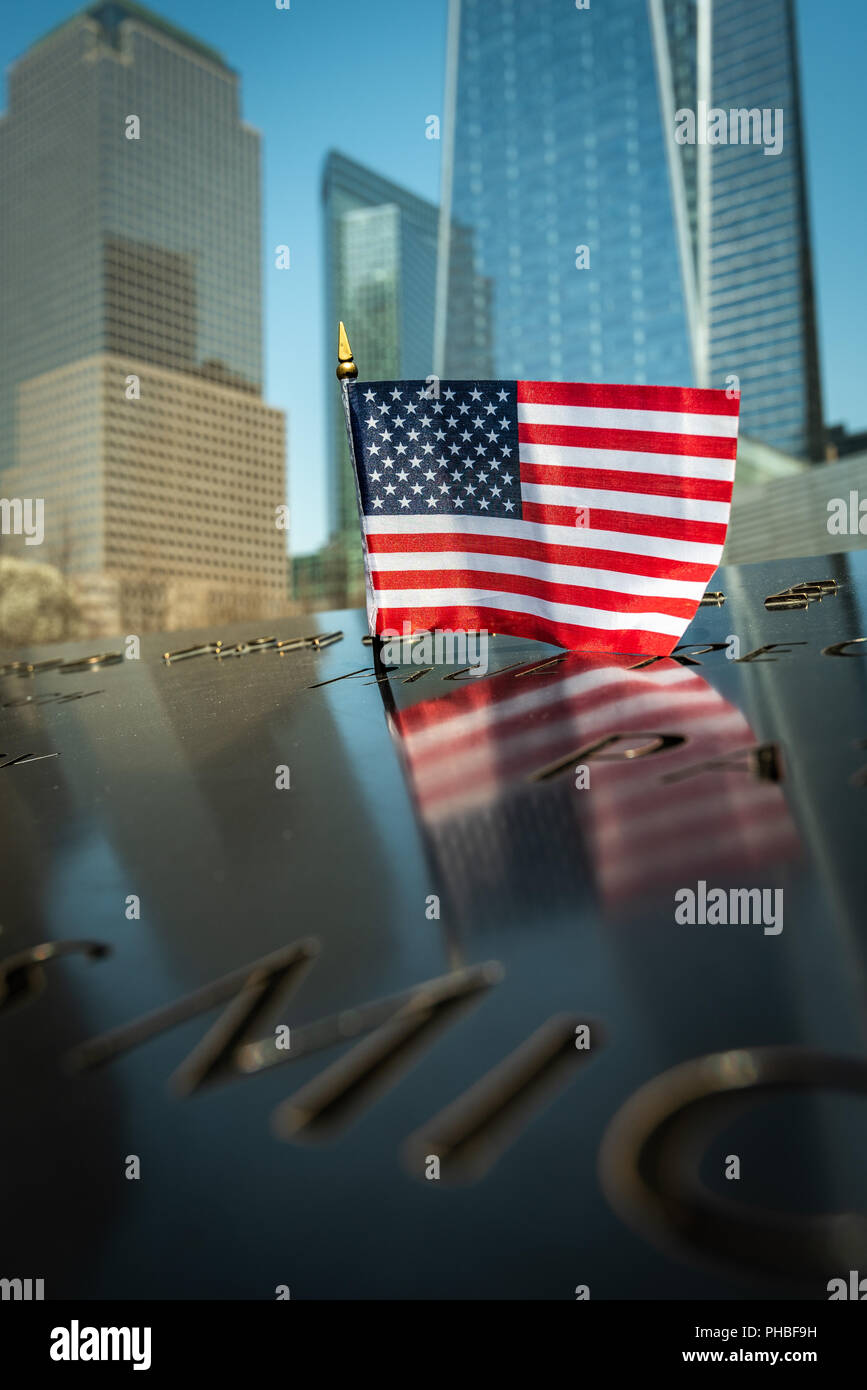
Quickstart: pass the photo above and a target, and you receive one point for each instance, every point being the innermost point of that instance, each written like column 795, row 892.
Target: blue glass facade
column 558, row 143
column 760, row 304
column 560, row 133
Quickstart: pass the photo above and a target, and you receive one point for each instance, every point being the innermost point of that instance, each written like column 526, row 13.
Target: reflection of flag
column 588, row 516
column 648, row 820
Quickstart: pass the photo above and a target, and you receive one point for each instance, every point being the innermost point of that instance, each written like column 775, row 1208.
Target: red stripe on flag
column 649, row 566
column 682, row 399
column 470, row 619
column 641, row 441
column 670, row 527
column 656, row 484
column 610, row 600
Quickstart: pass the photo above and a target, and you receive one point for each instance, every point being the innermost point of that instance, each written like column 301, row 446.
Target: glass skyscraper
column 381, row 261
column 759, row 290
column 612, row 252
column 130, row 247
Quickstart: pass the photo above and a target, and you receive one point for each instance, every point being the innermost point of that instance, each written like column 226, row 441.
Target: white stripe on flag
column 619, row 582
column 641, row 503
column 655, row 421
column 628, row 461
column 588, row 538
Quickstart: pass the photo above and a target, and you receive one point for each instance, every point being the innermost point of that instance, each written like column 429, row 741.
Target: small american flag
column 584, row 515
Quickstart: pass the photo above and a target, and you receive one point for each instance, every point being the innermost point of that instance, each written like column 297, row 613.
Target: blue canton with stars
column 451, row 450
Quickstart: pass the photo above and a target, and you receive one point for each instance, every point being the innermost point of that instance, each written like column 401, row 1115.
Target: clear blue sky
column 362, row 75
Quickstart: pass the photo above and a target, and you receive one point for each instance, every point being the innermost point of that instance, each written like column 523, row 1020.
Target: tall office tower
column 760, row 302
column 381, row 273
column 130, row 322
column 615, row 253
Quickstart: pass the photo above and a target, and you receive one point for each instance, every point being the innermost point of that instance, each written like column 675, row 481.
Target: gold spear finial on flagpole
column 346, row 368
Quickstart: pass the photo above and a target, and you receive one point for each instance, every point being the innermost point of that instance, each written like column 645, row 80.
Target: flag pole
column 347, row 370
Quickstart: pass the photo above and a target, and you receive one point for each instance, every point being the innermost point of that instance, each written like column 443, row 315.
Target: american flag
column 648, row 823
column 589, row 516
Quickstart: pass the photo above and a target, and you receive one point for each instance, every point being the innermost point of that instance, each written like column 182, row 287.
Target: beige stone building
column 162, row 493
column 131, row 373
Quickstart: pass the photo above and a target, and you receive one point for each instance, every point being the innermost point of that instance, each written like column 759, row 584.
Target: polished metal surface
column 474, row 949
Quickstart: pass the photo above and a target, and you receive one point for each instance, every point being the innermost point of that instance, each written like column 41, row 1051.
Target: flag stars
column 455, row 438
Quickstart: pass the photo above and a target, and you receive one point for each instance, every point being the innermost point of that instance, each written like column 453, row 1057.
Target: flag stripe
column 629, row 461
column 673, row 529
column 549, row 533
column 594, row 417
column 675, row 398
column 689, row 508
column 617, row 562
column 527, row 621
column 623, row 582
column 485, row 582
column 658, row 484
column 578, row 437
